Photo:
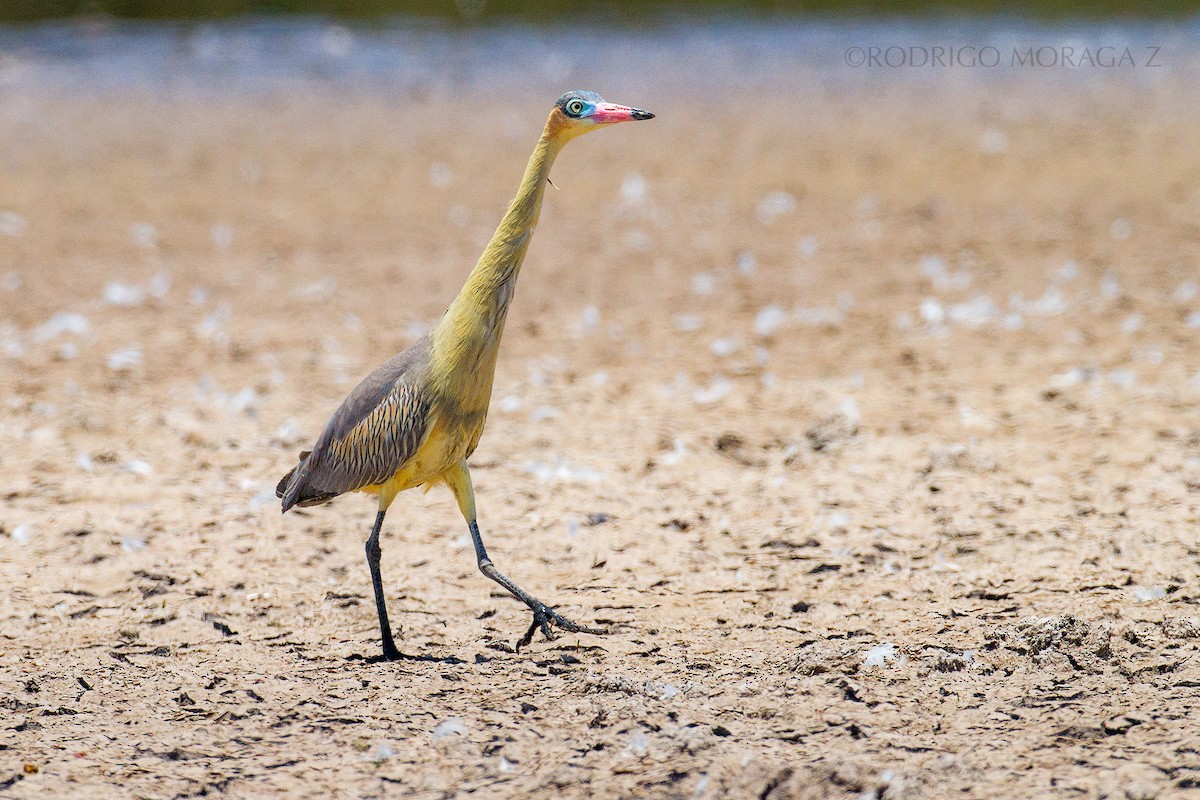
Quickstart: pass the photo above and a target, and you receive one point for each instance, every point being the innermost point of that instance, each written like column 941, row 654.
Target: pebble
column 143, row 234
column 704, row 284
column 139, row 468
column 382, row 752
column 768, row 320
column 774, row 205
column 808, row 246
column 715, row 392
column 449, row 727
column 544, row 412
column 440, row 175
column 12, row 223
column 638, row 744
column 633, row 189
column 725, row 347
column 60, row 323
column 560, row 471
column 124, row 294
column 1121, row 229
column 125, row 359
column 746, row 263
column 879, row 655
column 221, row 236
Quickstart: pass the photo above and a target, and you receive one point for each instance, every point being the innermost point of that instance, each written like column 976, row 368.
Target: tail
column 291, row 487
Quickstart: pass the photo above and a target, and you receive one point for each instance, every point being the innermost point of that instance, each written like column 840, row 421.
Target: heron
column 417, row 418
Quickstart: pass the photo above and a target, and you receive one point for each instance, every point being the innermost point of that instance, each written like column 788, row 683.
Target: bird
column 416, row 419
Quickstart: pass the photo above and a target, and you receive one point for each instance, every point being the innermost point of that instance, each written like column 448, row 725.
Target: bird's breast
column 451, row 438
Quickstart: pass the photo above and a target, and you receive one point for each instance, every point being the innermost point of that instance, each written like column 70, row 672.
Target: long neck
column 483, row 302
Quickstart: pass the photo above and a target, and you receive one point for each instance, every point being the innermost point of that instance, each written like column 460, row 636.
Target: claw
column 544, row 618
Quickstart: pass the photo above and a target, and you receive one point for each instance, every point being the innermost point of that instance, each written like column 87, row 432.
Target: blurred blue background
column 534, row 11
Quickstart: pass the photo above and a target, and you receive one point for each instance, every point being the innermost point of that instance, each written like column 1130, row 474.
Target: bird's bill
column 611, row 112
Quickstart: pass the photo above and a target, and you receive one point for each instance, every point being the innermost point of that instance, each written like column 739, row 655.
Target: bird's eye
column 575, row 107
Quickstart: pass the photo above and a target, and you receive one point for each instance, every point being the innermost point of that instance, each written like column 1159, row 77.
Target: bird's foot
column 390, row 653
column 546, row 619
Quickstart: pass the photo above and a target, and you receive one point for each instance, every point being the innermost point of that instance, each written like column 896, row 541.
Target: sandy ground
column 864, row 414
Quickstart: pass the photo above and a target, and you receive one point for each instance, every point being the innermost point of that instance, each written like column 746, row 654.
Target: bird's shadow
column 499, row 646
column 380, row 659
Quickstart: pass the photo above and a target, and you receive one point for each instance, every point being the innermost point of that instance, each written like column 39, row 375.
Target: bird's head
column 578, row 112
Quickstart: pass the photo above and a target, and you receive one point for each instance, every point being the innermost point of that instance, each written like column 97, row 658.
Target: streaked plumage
column 378, row 428
column 417, row 418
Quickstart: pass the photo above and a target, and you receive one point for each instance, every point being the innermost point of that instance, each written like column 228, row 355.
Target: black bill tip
column 637, row 113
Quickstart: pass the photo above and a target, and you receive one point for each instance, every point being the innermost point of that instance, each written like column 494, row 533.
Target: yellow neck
column 467, row 337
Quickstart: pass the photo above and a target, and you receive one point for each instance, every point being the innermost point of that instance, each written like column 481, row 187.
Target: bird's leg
column 458, row 478
column 544, row 617
column 390, row 653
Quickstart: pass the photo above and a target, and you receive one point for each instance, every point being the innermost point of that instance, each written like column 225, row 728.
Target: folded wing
column 374, row 433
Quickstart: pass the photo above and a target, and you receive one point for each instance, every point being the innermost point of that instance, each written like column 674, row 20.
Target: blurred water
column 256, row 55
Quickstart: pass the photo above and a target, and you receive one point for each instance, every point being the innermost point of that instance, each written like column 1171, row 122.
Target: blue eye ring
column 574, row 107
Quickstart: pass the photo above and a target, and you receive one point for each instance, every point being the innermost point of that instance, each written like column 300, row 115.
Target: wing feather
column 377, row 429
column 377, row 446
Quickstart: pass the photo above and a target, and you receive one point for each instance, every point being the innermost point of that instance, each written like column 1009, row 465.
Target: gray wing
column 378, row 428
